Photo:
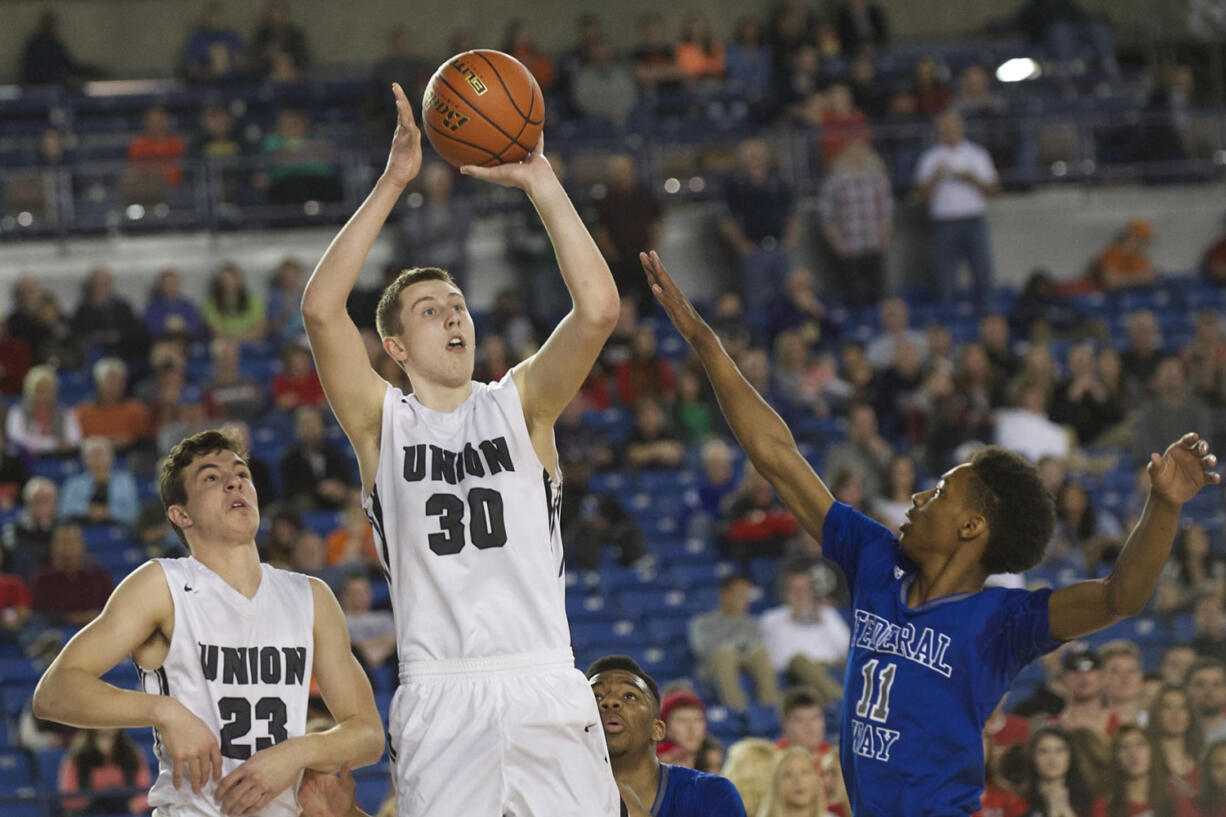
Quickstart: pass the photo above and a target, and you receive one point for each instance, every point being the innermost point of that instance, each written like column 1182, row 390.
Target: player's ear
column 178, row 515
column 394, row 348
column 657, row 730
column 973, row 524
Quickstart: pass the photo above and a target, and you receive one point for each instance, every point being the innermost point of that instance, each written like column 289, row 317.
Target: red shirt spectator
column 157, row 150
column 299, row 384
column 997, row 802
column 68, row 590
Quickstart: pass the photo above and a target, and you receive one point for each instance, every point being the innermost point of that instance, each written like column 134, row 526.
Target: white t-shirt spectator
column 1031, row 435
column 953, row 198
column 825, row 639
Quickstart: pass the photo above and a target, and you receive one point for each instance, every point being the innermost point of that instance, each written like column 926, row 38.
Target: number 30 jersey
column 466, row 525
column 243, row 666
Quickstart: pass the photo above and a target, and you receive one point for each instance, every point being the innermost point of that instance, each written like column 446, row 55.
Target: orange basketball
column 483, row 108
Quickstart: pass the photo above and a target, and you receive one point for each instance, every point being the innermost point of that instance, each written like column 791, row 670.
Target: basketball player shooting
column 226, row 648
column 932, row 650
column 461, row 483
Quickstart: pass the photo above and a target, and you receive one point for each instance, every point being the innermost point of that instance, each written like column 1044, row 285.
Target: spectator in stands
column 603, row 89
column 192, row 416
column 15, row 360
column 309, row 555
column 652, row 443
column 1206, row 685
column 762, row 225
column 899, row 388
column 1140, row 358
column 747, row 70
column 644, row 373
column 864, row 450
column 28, row 536
column 22, row 323
column 278, row 41
column 794, row 378
column 46, row 60
column 232, row 310
column 436, row 232
column 1164, row 129
column 102, row 759
column 654, row 58
column 1122, row 681
column 169, row 311
column 591, row 520
column 154, row 160
column 796, row 787
column 1044, row 308
column 1193, row 571
column 803, row 722
column 101, row 493
column 13, row 475
column 229, row 394
column 372, row 632
column 1124, row 263
column 797, row 308
column 1213, row 266
column 798, row 99
column 1055, row 783
column 932, row 93
column 954, row 176
column 1204, row 357
column 397, row 64
column 520, row 42
column 895, row 330
column 105, row 320
column 1084, row 707
column 729, row 640
column 890, row 508
column 994, row 335
column 1177, row 738
column 862, row 27
column 302, row 165
column 710, row 755
column 353, row 543
column 1172, row 405
column 1089, row 536
column 700, row 57
column 39, row 425
column 805, row 636
column 748, row 766
column 297, row 384
column 1212, row 797
column 695, row 413
column 718, row 482
column 1066, row 30
column 856, row 208
column 112, row 414
column 162, row 390
column 1210, row 640
column 628, row 218
column 838, row 121
column 69, row 591
column 756, row 525
column 1175, row 667
column 1027, row 429
column 19, row 624
column 1136, row 784
column 315, row 475
column 1082, row 400
column 868, row 91
column 685, row 727
column 214, row 51
column 284, row 307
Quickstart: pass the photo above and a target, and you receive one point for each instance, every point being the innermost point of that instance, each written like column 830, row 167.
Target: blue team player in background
column 932, row 650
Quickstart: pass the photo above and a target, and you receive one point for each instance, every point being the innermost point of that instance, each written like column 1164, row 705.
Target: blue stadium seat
column 622, row 632
column 762, row 720
column 13, row 697
column 18, row 670
column 99, row 537
column 16, row 775
column 47, row 769
column 653, row 601
column 667, row 630
column 370, row 788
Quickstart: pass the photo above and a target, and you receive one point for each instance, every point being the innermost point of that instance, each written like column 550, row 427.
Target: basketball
column 483, row 107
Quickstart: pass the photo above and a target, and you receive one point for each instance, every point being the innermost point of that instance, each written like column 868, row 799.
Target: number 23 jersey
column 242, row 665
column 466, row 526
column 921, row 681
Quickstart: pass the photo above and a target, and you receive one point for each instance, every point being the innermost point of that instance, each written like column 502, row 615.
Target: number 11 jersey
column 466, row 525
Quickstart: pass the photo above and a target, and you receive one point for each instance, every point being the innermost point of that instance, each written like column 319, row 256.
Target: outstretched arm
column 1175, row 477
column 549, row 379
column 765, row 437
column 355, row 391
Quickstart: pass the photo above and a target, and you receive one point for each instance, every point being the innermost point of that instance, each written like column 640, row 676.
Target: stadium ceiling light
column 1018, row 69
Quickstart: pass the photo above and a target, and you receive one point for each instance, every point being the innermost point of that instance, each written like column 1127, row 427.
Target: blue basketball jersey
column 922, row 681
column 685, row 792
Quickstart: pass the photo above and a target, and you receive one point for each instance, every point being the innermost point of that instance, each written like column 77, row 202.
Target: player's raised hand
column 260, row 778
column 326, row 795
column 678, row 307
column 404, row 159
column 191, row 745
column 1183, row 470
column 523, row 175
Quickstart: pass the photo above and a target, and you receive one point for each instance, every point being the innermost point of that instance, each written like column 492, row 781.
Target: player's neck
column 238, row 566
column 943, row 577
column 440, row 398
column 641, row 772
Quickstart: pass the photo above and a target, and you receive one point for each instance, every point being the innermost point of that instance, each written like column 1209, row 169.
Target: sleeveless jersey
column 466, row 525
column 243, row 666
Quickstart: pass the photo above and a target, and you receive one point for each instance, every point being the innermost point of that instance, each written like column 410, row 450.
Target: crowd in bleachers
column 678, row 552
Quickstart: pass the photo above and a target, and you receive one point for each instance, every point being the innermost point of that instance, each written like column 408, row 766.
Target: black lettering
column 270, row 665
column 208, row 661
column 442, row 465
column 295, row 664
column 253, row 663
column 472, row 461
column 234, row 667
column 497, row 455
column 414, row 462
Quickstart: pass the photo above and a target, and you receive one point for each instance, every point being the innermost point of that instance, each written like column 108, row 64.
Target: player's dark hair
column 387, row 313
column 1021, row 514
column 625, row 663
column 798, row 698
column 172, row 486
column 1081, row 795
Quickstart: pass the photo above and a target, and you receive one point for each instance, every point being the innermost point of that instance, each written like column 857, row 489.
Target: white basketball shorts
column 514, row 736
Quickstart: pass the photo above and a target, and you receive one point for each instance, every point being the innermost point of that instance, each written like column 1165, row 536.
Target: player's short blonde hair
column 387, row 313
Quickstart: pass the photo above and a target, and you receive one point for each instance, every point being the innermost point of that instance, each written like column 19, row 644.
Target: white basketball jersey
column 243, row 666
column 466, row 525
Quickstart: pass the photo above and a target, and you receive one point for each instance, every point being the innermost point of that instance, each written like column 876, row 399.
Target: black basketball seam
column 461, row 141
column 531, row 105
column 507, row 91
column 477, row 110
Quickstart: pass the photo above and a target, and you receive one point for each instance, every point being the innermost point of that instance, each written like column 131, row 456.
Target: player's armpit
column 1080, row 609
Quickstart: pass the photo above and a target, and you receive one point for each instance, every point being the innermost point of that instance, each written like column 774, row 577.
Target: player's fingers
column 1209, row 460
column 198, row 776
column 1189, row 439
column 215, row 759
column 228, row 783
column 177, row 775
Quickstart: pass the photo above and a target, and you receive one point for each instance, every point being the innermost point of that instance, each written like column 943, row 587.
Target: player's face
column 438, row 340
column 1134, row 755
column 1123, row 678
column 798, row 783
column 1174, row 716
column 627, row 712
column 687, row 727
column 221, row 501
column 935, row 515
column 1051, row 758
column 805, row 726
